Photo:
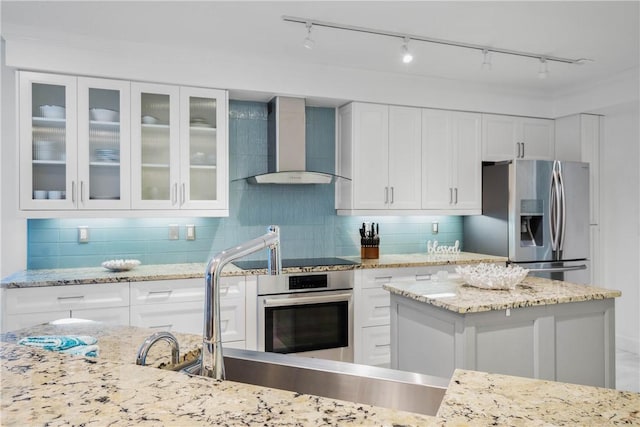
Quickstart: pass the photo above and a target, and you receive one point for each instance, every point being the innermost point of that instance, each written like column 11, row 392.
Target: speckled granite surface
column 453, row 295
column 478, row 398
column 91, row 275
column 48, row 388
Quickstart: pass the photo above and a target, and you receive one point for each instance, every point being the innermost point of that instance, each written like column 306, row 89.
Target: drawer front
column 58, row 298
column 187, row 290
column 376, row 346
column 13, row 322
column 167, row 291
column 375, row 278
column 376, row 307
column 110, row 316
column 186, row 317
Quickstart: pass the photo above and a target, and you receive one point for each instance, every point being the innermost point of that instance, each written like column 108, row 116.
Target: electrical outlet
column 434, row 227
column 174, row 232
column 83, row 234
column 191, row 232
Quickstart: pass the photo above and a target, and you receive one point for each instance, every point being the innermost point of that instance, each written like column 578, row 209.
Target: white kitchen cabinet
column 74, row 143
column 178, row 306
column 511, row 137
column 179, row 148
column 30, row 306
column 578, row 140
column 451, row 162
column 379, row 150
column 372, row 310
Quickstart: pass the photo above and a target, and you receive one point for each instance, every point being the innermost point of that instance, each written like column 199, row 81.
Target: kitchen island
column 543, row 329
column 41, row 387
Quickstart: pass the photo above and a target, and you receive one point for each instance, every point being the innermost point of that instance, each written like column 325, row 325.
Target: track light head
column 543, row 71
column 486, row 61
column 407, row 57
column 308, row 41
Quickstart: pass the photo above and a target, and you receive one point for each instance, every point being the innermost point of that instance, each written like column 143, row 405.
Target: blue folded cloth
column 83, row 345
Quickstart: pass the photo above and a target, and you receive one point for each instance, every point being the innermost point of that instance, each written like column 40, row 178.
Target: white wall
column 620, row 218
column 13, row 230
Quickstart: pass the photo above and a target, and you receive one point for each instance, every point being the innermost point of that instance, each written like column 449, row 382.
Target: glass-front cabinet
column 48, row 141
column 74, row 143
column 179, row 151
column 89, row 144
column 104, row 144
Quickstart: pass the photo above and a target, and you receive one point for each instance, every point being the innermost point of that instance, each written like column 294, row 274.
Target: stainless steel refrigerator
column 536, row 213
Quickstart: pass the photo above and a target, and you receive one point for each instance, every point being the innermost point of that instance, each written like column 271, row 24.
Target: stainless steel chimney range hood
column 287, row 146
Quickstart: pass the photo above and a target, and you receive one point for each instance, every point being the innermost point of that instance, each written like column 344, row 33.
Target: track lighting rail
column 404, row 36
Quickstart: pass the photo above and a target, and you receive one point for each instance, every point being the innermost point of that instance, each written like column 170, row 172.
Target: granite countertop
column 479, row 398
column 41, row 387
column 48, row 388
column 453, row 295
column 93, row 275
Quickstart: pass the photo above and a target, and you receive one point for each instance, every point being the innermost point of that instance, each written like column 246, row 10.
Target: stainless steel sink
column 387, row 388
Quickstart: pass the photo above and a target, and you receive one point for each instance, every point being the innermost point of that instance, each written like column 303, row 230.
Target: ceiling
column 606, row 31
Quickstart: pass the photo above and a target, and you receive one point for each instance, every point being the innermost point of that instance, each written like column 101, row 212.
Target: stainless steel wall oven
column 309, row 314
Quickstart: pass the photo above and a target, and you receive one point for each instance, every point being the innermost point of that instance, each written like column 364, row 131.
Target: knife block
column 370, row 248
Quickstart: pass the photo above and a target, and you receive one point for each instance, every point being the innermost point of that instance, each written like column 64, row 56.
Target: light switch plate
column 174, row 232
column 191, row 232
column 83, row 234
column 434, row 227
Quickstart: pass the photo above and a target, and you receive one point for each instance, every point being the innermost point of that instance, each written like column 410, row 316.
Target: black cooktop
column 294, row 262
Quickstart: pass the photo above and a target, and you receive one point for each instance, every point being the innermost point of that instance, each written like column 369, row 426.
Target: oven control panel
column 315, row 281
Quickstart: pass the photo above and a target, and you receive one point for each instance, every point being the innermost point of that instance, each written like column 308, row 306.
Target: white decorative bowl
column 52, row 111
column 121, row 264
column 103, row 115
column 149, row 120
column 492, row 276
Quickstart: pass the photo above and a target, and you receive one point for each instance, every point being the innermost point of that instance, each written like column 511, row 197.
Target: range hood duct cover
column 286, row 146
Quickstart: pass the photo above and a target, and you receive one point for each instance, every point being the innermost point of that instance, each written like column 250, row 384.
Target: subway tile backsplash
column 306, row 214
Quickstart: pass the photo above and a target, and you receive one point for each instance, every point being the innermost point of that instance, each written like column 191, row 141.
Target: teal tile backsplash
column 305, row 213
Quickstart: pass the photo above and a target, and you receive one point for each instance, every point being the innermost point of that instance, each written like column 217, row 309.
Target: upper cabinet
column 510, row 137
column 90, row 146
column 451, row 161
column 379, row 149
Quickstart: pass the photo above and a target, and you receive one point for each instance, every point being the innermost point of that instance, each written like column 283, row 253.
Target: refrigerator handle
column 559, row 269
column 563, row 208
column 554, row 214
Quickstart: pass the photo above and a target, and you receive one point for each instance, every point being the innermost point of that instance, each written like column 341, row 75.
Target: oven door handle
column 306, row 300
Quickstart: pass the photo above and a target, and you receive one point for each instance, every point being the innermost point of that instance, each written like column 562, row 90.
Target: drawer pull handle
column 381, row 306
column 382, row 345
column 63, row 299
column 423, row 276
column 158, row 293
column 383, row 279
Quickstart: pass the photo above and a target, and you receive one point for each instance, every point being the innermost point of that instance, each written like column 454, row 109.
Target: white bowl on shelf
column 149, row 120
column 40, row 194
column 103, row 115
column 52, row 111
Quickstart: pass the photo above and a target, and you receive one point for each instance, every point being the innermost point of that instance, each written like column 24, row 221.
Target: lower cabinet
column 168, row 305
column 178, row 306
column 372, row 340
column 24, row 307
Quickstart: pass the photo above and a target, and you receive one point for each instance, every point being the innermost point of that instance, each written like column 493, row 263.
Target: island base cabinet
column 571, row 342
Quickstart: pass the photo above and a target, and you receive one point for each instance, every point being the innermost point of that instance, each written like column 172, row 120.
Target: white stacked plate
column 52, row 111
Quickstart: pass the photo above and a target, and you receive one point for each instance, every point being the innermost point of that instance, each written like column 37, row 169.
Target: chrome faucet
column 211, row 358
column 151, row 340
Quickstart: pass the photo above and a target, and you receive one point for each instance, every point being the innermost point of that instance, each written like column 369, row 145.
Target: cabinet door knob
column 391, row 195
column 455, row 191
column 523, row 150
column 183, row 194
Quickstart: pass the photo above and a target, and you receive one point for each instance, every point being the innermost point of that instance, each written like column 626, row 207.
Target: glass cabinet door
column 103, row 144
column 155, row 146
column 203, row 150
column 48, row 167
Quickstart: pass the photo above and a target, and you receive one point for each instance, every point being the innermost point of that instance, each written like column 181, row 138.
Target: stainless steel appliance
column 536, row 213
column 309, row 314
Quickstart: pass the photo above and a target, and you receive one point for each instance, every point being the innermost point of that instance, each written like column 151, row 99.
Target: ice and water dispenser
column 531, row 222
